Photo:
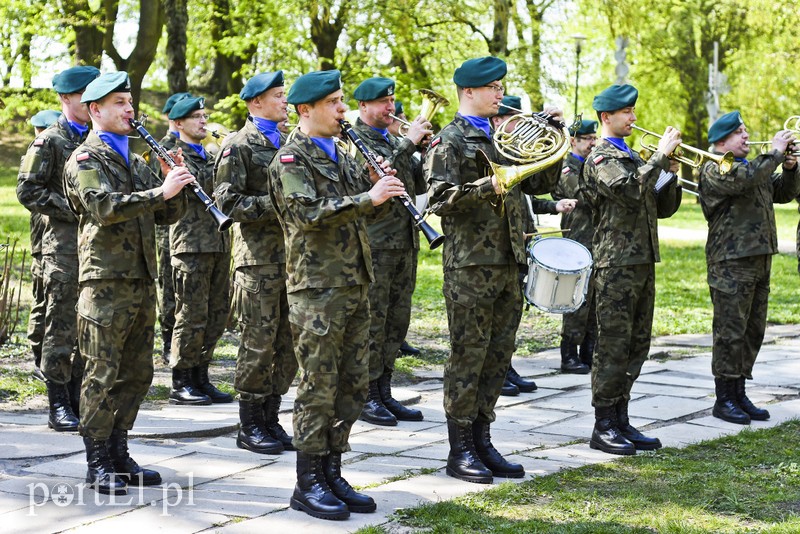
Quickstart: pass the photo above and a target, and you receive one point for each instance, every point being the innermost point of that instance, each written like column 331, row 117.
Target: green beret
column 314, row 86
column 724, row 126
column 173, row 98
column 45, row 118
column 186, row 106
column 510, row 102
column 616, row 97
column 480, row 71
column 110, row 82
column 260, row 83
column 373, row 89
column 586, row 127
column 74, row 80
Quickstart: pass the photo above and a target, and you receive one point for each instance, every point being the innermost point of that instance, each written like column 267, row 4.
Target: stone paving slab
column 32, row 441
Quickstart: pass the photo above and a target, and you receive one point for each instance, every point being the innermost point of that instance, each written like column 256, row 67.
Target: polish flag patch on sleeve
column 83, row 156
column 436, row 142
column 565, row 170
column 287, row 158
column 598, row 159
column 38, row 142
column 226, row 152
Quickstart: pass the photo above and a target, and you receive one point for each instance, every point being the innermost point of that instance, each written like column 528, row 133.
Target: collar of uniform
column 318, row 158
column 254, row 137
column 607, row 148
column 99, row 146
column 67, row 129
column 365, row 130
column 189, row 152
column 469, row 130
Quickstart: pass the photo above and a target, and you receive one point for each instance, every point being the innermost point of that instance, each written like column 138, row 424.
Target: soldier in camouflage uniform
column 742, row 238
column 266, row 364
column 166, row 297
column 578, row 328
column 619, row 188
column 483, row 255
column 118, row 201
column 394, row 242
column 323, row 196
column 200, row 256
column 40, row 188
column 40, row 122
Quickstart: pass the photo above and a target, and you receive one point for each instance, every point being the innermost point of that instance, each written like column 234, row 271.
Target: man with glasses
column 200, row 270
column 578, row 328
column 482, row 258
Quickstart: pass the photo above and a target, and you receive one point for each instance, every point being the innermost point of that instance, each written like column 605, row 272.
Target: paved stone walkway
column 211, row 486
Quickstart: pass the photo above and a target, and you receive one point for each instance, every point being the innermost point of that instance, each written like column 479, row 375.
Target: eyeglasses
column 586, row 137
column 496, row 87
column 202, row 116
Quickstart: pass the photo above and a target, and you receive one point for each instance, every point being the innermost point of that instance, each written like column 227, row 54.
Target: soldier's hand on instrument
column 175, row 180
column 674, row 166
column 669, row 141
column 782, row 140
column 566, row 205
column 385, row 189
column 387, row 168
column 555, row 112
column 177, row 155
column 419, row 129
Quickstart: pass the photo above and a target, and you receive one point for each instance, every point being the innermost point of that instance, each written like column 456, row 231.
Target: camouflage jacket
column 40, row 186
column 463, row 198
column 579, row 221
column 322, row 206
column 242, row 192
column 620, row 192
column 738, row 206
column 118, row 206
column 397, row 229
column 197, row 230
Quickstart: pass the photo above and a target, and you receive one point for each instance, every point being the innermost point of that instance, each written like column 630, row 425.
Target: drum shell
column 558, row 282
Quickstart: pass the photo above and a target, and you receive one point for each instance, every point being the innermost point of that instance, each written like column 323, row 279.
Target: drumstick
column 534, row 234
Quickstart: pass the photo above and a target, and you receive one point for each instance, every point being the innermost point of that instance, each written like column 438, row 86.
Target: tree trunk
column 325, row 32
column 498, row 45
column 177, row 18
column 89, row 29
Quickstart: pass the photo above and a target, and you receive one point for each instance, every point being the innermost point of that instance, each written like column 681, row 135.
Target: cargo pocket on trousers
column 465, row 298
column 94, row 329
column 725, row 285
column 247, row 302
column 310, row 318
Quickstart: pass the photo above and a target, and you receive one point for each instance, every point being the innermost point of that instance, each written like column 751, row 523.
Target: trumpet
column 696, row 157
column 431, row 102
column 792, row 123
column 766, row 146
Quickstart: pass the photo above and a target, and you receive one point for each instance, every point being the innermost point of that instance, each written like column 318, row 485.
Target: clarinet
column 434, row 238
column 223, row 221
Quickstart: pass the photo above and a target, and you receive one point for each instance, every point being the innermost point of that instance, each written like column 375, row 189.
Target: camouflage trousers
column 390, row 306
column 116, row 324
column 330, row 327
column 625, row 297
column 266, row 363
column 740, row 294
column 575, row 325
column 60, row 341
column 166, row 297
column 484, row 308
column 201, row 282
column 38, row 309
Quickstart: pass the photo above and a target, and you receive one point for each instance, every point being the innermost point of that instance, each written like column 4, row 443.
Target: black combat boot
column 101, row 474
column 374, row 411
column 755, row 413
column 312, row 494
column 408, row 350
column 74, row 389
column 525, row 386
column 607, row 436
column 201, row 382
column 400, row 412
column 727, row 407
column 356, row 502
column 184, row 391
column 509, row 389
column 272, row 408
column 587, row 346
column 253, row 435
column 570, row 361
column 463, row 461
column 490, row 457
column 125, row 466
column 61, row 418
column 639, row 440
column 166, row 336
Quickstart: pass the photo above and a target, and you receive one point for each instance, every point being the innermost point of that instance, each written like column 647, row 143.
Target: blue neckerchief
column 328, row 145
column 198, row 148
column 269, row 129
column 116, row 141
column 383, row 131
column 176, row 134
column 574, row 155
column 78, row 128
column 619, row 142
column 743, row 161
column 480, row 123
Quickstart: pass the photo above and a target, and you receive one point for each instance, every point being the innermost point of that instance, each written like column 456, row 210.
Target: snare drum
column 558, row 274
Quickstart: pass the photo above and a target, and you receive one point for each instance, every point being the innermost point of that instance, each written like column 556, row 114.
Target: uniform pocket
column 459, row 294
column 725, row 285
column 98, row 315
column 309, row 311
